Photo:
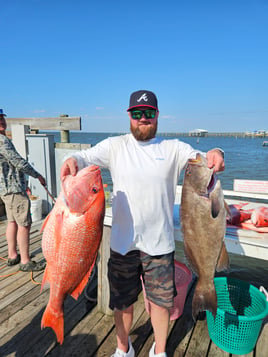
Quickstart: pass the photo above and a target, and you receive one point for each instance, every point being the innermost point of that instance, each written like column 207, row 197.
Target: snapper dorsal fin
column 44, row 223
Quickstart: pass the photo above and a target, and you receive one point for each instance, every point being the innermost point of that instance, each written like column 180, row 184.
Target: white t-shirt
column 144, row 175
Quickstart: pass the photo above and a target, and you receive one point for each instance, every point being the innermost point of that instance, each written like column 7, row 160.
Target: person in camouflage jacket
column 13, row 193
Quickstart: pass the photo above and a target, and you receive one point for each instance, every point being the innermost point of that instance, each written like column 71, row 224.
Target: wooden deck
column 88, row 332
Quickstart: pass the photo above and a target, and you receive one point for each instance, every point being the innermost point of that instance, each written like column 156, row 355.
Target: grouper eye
column 95, row 190
column 188, row 171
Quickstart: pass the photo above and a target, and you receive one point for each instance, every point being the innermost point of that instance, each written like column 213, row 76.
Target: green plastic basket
column 241, row 310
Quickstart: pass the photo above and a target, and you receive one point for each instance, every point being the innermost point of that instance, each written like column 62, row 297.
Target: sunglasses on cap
column 148, row 113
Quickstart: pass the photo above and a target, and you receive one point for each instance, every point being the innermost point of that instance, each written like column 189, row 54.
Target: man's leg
column 123, row 322
column 125, row 285
column 160, row 322
column 11, row 235
column 160, row 291
column 23, row 243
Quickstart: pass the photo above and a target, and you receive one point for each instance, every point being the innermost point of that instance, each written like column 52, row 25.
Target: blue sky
column 207, row 61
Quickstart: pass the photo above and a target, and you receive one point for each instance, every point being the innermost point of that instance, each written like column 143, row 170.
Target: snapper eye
column 95, row 190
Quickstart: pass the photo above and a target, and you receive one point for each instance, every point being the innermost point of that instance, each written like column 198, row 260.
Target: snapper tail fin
column 204, row 299
column 55, row 321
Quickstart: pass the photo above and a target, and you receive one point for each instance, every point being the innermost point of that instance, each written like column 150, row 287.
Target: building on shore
column 198, row 132
column 257, row 133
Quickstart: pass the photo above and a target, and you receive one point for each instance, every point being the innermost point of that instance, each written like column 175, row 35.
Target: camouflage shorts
column 125, row 272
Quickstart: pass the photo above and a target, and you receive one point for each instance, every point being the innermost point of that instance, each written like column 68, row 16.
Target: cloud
column 36, row 111
column 168, row 117
column 239, row 112
column 99, row 108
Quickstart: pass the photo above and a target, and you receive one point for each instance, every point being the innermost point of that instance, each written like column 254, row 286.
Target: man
column 145, row 171
column 17, row 204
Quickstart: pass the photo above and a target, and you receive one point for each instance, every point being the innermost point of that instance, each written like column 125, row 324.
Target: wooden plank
column 110, row 343
column 142, row 335
column 74, row 330
column 18, row 299
column 57, row 123
column 142, row 331
column 215, row 351
column 75, row 341
column 180, row 335
column 200, row 340
column 18, row 320
column 36, row 254
column 262, row 345
column 14, row 282
column 35, row 244
column 37, row 342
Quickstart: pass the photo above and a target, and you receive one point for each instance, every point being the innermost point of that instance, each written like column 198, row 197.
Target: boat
column 265, row 143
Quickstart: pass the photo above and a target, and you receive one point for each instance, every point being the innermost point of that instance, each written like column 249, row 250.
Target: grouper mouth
column 212, row 183
column 209, row 188
column 212, row 180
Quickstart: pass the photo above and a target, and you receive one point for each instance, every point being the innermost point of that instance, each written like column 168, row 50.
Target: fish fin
column 215, row 206
column 204, row 300
column 227, row 208
column 44, row 223
column 45, row 278
column 80, row 287
column 223, row 261
column 55, row 321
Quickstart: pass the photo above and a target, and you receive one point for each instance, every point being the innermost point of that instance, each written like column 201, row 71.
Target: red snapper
column 72, row 234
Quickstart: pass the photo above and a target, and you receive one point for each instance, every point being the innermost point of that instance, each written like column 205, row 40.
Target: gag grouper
column 203, row 220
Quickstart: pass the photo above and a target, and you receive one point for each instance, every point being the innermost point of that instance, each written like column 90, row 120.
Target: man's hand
column 69, row 167
column 215, row 158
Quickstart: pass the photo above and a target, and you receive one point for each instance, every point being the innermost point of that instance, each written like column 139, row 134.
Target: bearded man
column 145, row 170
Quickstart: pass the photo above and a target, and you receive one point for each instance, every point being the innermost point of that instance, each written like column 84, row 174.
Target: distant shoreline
column 213, row 134
column 249, row 135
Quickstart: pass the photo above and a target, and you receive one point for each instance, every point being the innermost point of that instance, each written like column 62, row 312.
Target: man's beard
column 148, row 134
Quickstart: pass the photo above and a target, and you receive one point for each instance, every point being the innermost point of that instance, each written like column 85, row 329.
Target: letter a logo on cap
column 143, row 97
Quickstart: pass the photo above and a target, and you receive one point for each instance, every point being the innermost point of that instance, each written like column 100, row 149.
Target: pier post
column 64, row 134
column 103, row 284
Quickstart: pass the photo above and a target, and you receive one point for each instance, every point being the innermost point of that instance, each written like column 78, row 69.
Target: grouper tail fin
column 204, row 298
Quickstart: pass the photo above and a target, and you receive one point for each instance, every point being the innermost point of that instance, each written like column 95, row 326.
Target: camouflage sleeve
column 9, row 153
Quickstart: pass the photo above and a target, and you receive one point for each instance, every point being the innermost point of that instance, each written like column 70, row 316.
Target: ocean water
column 245, row 158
